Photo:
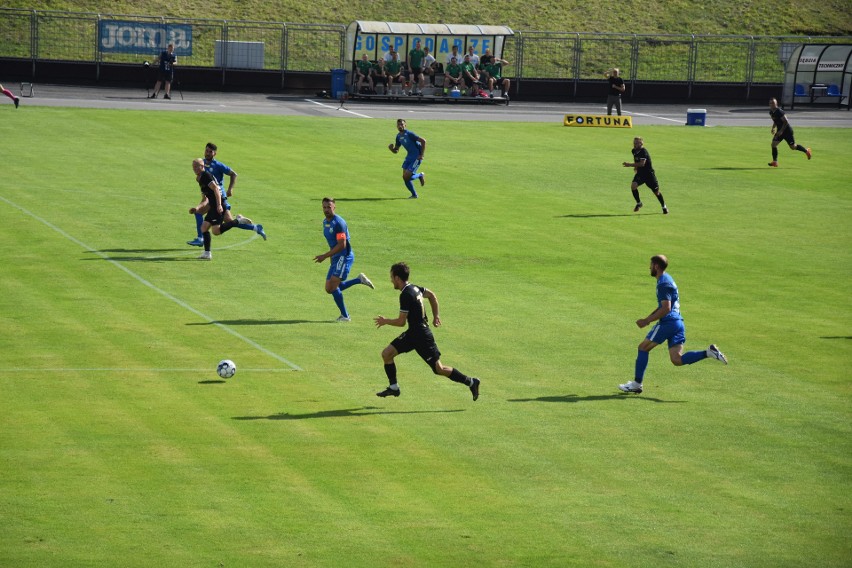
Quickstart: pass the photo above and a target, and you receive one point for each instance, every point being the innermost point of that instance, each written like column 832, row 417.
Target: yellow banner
column 598, row 120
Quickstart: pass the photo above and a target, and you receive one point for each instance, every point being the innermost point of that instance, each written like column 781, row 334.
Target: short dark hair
column 328, row 200
column 401, row 270
column 660, row 261
column 212, row 146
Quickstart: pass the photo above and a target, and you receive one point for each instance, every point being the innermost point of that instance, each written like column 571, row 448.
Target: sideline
column 150, row 285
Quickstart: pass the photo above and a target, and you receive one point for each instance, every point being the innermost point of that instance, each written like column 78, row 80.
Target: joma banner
column 118, row 36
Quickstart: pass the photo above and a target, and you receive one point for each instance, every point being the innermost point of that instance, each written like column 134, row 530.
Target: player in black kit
column 641, row 164
column 781, row 130
column 418, row 337
column 211, row 206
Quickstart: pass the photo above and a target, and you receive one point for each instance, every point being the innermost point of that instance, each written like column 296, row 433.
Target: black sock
column 660, row 198
column 227, row 226
column 801, row 148
column 635, row 193
column 457, row 377
column 390, row 371
column 775, row 154
column 206, row 238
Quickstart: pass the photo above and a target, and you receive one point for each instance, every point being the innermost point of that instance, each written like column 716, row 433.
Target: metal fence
column 533, row 55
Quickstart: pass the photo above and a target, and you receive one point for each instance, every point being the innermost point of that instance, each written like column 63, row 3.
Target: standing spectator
column 616, row 88
column 364, row 74
column 211, row 206
column 9, row 94
column 415, row 67
column 454, row 54
column 453, row 76
column 415, row 147
column 644, row 173
column 418, row 337
column 430, row 65
column 166, row 71
column 337, row 235
column 474, row 58
column 669, row 328
column 781, row 130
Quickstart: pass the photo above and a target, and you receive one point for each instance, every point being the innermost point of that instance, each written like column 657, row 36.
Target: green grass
column 118, row 446
column 767, row 17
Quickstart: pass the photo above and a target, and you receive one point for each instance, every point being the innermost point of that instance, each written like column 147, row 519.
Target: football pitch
column 120, row 446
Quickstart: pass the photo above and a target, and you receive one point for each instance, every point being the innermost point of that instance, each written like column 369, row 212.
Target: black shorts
column 787, row 136
column 214, row 217
column 648, row 179
column 166, row 76
column 423, row 343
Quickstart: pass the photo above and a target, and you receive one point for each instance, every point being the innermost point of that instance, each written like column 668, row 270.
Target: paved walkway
column 517, row 111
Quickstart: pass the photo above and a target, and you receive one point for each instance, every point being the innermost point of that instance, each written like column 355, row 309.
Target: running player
column 418, row 337
column 340, row 251
column 212, row 207
column 669, row 328
column 781, row 130
column 415, row 147
column 641, row 164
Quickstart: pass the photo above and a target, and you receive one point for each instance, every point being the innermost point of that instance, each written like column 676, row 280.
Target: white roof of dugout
column 399, row 28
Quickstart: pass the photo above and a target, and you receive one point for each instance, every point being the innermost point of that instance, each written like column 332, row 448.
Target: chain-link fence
column 110, row 38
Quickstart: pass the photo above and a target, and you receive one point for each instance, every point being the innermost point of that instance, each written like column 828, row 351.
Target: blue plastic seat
column 800, row 91
column 832, row 91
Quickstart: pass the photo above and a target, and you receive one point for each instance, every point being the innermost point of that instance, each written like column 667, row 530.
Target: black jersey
column 411, row 304
column 777, row 116
column 638, row 156
column 204, row 183
column 613, row 83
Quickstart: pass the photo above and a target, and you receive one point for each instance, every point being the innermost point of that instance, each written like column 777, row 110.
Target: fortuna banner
column 598, row 120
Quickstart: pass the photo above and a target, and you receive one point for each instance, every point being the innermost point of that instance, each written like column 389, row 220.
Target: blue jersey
column 333, row 227
column 218, row 170
column 667, row 290
column 408, row 140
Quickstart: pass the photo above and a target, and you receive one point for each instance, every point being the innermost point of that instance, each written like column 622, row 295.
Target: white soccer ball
column 226, row 368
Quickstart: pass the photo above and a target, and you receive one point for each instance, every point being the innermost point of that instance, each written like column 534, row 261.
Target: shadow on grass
column 593, row 398
column 102, row 255
column 340, row 413
column 260, row 322
column 340, row 199
column 835, row 337
column 593, row 215
column 733, row 169
column 213, row 382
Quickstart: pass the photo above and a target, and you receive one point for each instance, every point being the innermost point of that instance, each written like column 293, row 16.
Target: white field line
column 162, row 292
column 344, row 109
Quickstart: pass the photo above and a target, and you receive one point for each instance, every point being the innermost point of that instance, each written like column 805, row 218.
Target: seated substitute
column 364, row 75
column 393, row 72
column 495, row 76
column 378, row 74
column 470, row 75
column 453, row 77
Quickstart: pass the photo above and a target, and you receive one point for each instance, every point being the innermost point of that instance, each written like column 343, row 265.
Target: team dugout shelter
column 376, row 38
column 818, row 74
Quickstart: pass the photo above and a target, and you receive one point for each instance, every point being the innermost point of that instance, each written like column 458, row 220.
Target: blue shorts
column 411, row 164
column 673, row 331
column 340, row 266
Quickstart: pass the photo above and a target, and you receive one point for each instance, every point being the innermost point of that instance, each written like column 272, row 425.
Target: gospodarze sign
column 117, row 36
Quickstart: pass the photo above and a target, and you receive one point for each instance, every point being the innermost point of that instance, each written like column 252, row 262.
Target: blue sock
column 410, row 187
column 641, row 365
column 691, row 357
column 348, row 283
column 338, row 299
column 199, row 219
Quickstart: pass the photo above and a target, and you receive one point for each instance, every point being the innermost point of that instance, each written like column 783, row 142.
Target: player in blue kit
column 340, row 251
column 219, row 170
column 418, row 337
column 415, row 148
column 669, row 328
